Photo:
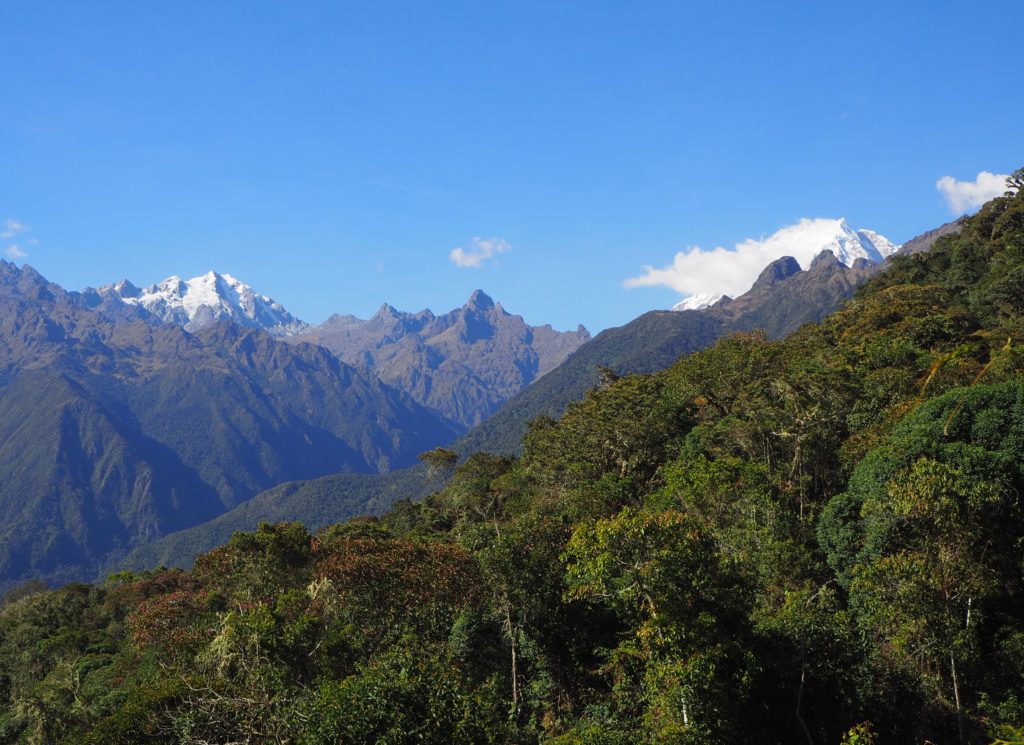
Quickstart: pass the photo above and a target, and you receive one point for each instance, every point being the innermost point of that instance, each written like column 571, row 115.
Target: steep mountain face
column 202, row 301
column 463, row 364
column 115, row 428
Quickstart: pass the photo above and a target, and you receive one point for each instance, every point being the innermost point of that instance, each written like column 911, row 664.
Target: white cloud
column 964, row 196
column 731, row 271
column 12, row 228
column 480, row 251
column 15, row 252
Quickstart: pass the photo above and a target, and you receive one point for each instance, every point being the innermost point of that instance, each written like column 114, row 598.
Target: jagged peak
column 387, row 310
column 479, row 300
column 827, row 258
column 124, row 288
column 780, row 269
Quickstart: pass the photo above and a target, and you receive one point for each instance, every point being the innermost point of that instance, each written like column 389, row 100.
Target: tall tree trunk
column 515, row 661
column 800, row 699
column 956, row 698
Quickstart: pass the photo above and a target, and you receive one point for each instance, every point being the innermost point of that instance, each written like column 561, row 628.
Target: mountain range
column 783, row 298
column 127, row 415
column 462, row 364
column 116, row 428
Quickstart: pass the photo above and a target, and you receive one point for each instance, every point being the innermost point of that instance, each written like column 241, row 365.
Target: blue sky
column 333, row 155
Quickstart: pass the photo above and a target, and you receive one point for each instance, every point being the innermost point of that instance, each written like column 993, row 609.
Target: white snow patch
column 697, row 302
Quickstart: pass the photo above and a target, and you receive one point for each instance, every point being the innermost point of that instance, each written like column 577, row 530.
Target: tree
column 1015, row 181
column 476, row 492
column 387, row 587
column 440, row 463
column 661, row 573
column 923, row 599
column 525, row 583
column 926, row 539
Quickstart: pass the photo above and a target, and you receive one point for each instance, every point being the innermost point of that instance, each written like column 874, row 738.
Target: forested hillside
column 813, row 540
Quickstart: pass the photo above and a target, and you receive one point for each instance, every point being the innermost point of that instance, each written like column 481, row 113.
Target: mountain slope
column 314, row 502
column 463, row 364
column 117, row 428
column 925, row 241
column 785, row 297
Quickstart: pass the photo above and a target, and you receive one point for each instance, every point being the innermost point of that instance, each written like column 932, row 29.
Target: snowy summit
column 200, row 301
column 849, row 245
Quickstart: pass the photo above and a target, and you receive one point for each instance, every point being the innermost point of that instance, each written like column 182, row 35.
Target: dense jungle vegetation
column 817, row 540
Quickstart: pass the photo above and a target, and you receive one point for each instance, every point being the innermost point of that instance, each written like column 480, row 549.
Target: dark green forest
column 814, row 540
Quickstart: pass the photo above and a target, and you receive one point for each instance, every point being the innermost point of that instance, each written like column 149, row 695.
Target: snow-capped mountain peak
column 883, row 245
column 200, row 301
column 848, row 244
column 710, row 274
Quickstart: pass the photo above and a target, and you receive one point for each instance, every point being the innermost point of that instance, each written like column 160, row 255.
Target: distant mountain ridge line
column 181, row 301
column 462, row 364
